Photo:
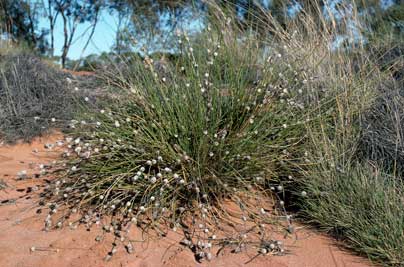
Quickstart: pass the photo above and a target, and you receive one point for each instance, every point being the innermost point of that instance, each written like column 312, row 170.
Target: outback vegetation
column 236, row 134
column 31, row 96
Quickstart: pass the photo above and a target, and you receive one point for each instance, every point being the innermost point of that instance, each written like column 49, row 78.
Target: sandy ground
column 21, row 228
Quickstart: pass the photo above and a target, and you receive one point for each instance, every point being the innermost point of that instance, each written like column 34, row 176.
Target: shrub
column 382, row 129
column 31, row 94
column 382, row 123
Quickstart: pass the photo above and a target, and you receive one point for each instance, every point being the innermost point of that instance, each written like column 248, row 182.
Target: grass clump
column 219, row 125
column 351, row 186
column 358, row 202
column 353, row 195
column 360, row 205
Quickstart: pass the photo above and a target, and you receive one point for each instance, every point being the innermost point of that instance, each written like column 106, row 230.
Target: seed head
column 209, row 256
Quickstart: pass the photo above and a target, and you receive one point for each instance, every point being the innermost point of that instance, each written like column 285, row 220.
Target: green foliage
column 19, row 19
column 388, row 21
column 360, row 205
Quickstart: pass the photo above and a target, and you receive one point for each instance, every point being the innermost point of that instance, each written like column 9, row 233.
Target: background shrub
column 31, row 94
column 382, row 129
column 382, row 123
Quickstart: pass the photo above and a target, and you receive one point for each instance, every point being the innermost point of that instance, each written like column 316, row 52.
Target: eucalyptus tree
column 74, row 13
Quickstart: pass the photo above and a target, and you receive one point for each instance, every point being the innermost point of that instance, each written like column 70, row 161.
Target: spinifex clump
column 218, row 125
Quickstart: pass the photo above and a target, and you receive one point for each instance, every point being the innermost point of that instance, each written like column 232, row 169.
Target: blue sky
column 102, row 40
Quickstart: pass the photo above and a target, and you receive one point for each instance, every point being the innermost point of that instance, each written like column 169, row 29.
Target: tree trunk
column 32, row 27
column 52, row 28
column 66, row 40
column 52, row 44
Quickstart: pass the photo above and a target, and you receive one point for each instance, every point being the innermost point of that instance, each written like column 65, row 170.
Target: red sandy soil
column 79, row 73
column 21, row 228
